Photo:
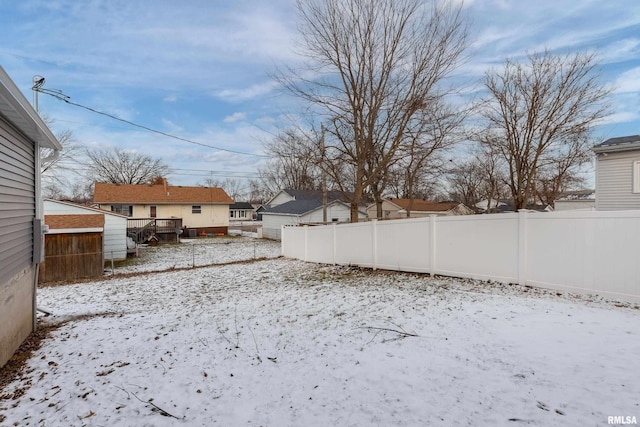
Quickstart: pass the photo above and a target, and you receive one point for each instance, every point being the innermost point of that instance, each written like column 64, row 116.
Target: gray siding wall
column 614, row 181
column 17, row 201
column 272, row 225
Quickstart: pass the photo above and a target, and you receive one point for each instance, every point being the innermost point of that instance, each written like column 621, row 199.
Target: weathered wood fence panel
column 70, row 256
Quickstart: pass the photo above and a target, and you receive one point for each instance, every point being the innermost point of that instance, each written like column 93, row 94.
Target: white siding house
column 22, row 135
column 115, row 226
column 299, row 212
column 618, row 173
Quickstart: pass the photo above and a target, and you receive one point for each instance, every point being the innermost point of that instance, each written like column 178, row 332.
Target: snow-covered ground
column 198, row 252
column 280, row 342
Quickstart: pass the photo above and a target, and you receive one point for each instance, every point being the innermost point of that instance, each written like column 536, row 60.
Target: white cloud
column 253, row 91
column 170, row 98
column 629, row 81
column 235, row 117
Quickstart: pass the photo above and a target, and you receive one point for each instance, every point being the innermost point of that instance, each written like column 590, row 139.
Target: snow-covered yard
column 199, row 252
column 279, row 342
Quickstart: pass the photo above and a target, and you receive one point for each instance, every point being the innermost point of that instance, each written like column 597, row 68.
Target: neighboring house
column 303, row 207
column 397, row 208
column 202, row 210
column 618, row 173
column 22, row 134
column 74, row 247
column 115, row 226
column 584, row 200
column 241, row 211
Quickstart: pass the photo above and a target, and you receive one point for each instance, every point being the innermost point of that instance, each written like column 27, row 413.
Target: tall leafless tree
column 236, row 188
column 477, row 178
column 58, row 168
column 439, row 128
column 293, row 163
column 118, row 166
column 373, row 66
column 540, row 115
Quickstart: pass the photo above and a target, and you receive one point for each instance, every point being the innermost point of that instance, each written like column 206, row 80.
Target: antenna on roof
column 38, row 81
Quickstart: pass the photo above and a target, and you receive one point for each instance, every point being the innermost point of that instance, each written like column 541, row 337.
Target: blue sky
column 199, row 69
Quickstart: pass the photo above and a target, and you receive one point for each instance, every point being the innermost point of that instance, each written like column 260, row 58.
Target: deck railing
column 145, row 228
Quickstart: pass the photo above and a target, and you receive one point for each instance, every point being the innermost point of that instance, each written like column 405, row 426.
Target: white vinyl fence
column 587, row 252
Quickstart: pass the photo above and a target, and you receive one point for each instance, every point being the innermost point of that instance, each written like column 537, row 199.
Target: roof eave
column 616, row 148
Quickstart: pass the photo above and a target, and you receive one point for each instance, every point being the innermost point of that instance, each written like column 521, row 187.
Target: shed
column 115, row 226
column 73, row 247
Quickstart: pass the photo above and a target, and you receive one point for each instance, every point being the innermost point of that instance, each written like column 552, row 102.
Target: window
column 636, row 176
column 122, row 209
column 152, row 211
column 196, row 209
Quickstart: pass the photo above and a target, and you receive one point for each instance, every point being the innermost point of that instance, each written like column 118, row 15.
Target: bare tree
column 375, row 65
column 540, row 116
column 258, row 193
column 480, row 177
column 234, row 187
column 119, row 166
column 439, row 128
column 57, row 168
column 293, row 163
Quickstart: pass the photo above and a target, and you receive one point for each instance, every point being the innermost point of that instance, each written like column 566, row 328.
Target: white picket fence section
column 586, row 252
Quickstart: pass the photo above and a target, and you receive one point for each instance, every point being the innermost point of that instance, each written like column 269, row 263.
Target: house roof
column 87, row 208
column 421, row 205
column 241, row 205
column 295, row 207
column 316, row 194
column 301, row 207
column 310, row 195
column 579, row 195
column 159, row 194
column 622, row 143
column 15, row 107
column 69, row 221
column 305, row 201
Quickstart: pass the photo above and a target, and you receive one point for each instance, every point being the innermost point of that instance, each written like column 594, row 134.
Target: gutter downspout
column 38, row 232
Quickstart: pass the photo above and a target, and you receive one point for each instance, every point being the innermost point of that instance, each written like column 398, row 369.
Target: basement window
column 196, row 209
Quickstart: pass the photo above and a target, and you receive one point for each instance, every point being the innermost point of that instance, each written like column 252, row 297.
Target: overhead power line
column 62, row 97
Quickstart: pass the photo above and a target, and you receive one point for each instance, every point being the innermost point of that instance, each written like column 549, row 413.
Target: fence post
column 335, row 234
column 522, row 247
column 432, row 244
column 374, row 230
column 306, row 243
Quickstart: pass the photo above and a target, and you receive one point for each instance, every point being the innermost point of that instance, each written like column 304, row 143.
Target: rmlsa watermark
column 622, row 420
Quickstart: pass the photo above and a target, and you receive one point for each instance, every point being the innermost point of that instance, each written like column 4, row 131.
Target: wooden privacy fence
column 587, row 252
column 71, row 256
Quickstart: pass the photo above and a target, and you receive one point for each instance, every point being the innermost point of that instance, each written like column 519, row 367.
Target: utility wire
column 62, row 97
